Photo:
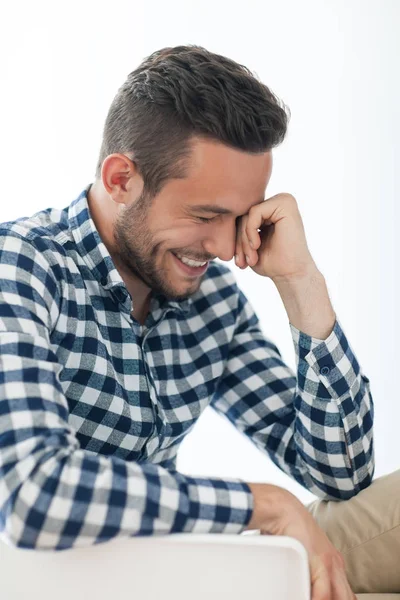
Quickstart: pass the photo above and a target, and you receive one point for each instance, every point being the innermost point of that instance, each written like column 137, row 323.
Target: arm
column 53, row 494
column 307, row 303
column 316, row 425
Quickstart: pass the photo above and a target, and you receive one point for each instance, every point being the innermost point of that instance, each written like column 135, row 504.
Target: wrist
column 270, row 505
column 296, row 280
column 307, row 303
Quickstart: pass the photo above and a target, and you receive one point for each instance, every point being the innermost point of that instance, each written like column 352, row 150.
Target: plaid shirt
column 94, row 406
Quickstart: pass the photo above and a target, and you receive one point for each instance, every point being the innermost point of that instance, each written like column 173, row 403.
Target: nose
column 221, row 240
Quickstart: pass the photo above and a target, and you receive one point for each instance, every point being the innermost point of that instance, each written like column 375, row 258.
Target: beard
column 137, row 252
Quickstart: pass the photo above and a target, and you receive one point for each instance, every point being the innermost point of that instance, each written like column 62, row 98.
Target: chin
column 183, row 292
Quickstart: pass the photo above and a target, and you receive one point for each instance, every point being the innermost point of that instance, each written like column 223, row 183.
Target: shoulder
column 33, row 244
column 45, row 230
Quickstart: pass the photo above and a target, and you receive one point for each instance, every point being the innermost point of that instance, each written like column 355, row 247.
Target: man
column 117, row 329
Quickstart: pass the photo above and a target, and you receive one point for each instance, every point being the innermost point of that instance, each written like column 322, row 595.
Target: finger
column 251, row 255
column 253, row 225
column 269, row 212
column 240, row 258
column 260, row 215
column 320, row 582
column 342, row 589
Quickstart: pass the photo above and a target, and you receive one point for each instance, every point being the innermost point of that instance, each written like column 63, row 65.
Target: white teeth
column 190, row 262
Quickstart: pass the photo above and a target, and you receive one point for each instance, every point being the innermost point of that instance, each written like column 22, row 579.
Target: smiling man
column 118, row 328
column 165, row 244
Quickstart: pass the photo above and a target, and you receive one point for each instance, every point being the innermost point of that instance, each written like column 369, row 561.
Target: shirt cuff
column 331, row 362
column 309, row 342
column 218, row 505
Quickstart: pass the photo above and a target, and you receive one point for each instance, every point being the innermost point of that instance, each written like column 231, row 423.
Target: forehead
column 222, row 176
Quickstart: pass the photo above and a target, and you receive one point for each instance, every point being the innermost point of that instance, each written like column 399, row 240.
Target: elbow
column 27, row 493
column 15, row 528
column 25, row 521
column 346, row 488
column 363, row 471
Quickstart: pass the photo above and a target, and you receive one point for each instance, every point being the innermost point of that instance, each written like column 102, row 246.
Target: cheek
column 179, row 237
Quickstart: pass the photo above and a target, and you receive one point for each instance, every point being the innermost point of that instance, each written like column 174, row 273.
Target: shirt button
column 120, row 295
column 325, row 371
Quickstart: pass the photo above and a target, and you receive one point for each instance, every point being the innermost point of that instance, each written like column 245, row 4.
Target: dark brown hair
column 186, row 91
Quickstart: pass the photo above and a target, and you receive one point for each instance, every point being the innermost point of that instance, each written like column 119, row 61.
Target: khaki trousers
column 366, row 530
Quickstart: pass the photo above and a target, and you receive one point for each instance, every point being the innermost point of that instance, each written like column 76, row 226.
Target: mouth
column 193, row 268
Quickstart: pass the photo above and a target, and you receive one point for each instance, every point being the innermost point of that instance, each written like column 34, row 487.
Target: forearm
column 307, row 303
column 330, row 379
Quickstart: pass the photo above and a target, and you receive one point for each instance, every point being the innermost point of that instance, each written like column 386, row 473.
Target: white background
column 335, row 63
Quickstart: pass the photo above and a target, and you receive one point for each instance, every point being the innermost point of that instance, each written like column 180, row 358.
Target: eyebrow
column 211, row 208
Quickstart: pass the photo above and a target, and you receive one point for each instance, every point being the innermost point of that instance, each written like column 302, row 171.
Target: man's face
column 169, row 240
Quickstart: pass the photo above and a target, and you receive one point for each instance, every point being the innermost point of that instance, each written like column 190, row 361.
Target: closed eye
column 205, row 219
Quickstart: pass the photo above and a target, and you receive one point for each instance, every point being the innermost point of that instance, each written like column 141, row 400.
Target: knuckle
column 253, row 209
column 334, row 561
column 340, row 559
column 329, row 559
column 289, row 197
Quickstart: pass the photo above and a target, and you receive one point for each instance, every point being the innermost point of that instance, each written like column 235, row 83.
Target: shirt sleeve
column 53, row 494
column 317, row 424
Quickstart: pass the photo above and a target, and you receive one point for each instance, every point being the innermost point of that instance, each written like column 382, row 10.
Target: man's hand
column 271, row 239
column 278, row 512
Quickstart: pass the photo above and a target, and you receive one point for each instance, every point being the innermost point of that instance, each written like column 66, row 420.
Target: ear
column 121, row 178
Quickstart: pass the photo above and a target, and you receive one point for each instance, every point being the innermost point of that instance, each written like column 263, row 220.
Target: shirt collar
column 96, row 256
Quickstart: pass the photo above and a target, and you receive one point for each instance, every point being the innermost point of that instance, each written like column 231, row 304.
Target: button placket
column 151, row 390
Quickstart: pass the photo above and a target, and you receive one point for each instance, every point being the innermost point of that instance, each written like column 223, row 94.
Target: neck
column 104, row 211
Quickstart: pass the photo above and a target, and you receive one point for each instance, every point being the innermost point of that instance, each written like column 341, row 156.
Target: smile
column 190, row 261
column 193, row 268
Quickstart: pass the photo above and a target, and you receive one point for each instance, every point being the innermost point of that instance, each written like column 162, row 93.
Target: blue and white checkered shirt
column 93, row 406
